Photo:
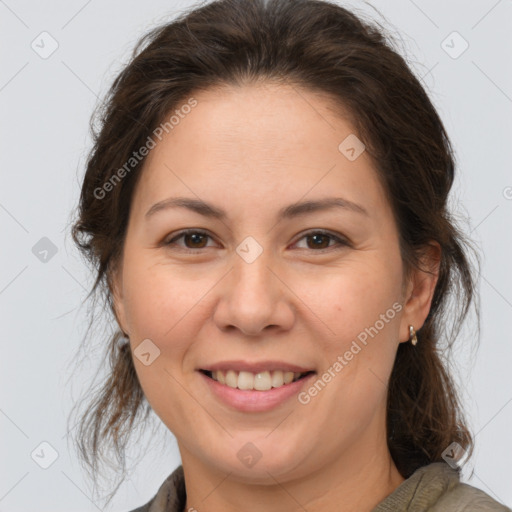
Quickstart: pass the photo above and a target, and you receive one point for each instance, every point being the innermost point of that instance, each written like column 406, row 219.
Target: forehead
column 284, row 120
column 257, row 142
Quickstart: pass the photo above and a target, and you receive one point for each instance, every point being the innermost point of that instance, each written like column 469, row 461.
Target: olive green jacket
column 432, row 488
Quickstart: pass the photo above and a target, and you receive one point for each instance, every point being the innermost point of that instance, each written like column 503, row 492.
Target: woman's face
column 264, row 286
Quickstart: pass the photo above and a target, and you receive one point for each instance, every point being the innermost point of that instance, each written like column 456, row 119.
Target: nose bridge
column 252, row 279
column 251, row 299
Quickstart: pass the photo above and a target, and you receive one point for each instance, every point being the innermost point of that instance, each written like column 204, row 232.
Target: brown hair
column 321, row 47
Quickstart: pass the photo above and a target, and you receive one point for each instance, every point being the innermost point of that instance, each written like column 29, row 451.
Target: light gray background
column 45, row 109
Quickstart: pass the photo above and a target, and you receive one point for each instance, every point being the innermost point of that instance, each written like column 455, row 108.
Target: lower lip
column 252, row 400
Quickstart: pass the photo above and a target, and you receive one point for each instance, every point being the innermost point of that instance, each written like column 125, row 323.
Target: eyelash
column 341, row 241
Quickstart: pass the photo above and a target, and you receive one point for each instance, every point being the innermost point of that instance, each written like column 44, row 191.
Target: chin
column 261, row 461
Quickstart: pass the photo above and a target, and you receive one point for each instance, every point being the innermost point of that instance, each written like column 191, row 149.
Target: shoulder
column 465, row 497
column 455, row 494
column 437, row 487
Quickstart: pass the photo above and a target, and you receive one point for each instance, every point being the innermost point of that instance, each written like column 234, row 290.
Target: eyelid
column 340, row 239
column 183, row 232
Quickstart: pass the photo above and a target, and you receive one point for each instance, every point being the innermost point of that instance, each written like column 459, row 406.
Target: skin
column 251, row 151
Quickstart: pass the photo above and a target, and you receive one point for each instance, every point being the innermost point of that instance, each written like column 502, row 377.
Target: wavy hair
column 322, row 47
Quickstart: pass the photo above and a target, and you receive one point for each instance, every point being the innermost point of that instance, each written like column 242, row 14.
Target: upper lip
column 255, row 367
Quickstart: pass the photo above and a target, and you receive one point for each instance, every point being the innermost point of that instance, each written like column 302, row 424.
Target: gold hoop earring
column 412, row 335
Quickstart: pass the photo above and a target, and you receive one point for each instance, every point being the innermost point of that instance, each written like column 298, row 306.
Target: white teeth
column 245, row 380
column 277, row 379
column 288, row 377
column 231, row 379
column 220, row 377
column 262, row 381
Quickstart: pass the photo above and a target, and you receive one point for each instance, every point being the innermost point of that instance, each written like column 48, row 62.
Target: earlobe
column 420, row 291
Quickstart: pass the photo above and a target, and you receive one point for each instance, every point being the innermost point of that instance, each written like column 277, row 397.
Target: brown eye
column 319, row 240
column 197, row 240
column 193, row 239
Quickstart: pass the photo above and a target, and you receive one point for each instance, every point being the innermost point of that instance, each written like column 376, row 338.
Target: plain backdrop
column 45, row 107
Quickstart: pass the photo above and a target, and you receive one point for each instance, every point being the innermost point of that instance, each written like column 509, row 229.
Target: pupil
column 195, row 237
column 318, row 240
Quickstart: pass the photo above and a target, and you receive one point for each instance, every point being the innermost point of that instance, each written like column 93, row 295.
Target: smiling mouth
column 262, row 381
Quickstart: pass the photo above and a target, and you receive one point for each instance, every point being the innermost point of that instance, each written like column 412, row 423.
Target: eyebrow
column 293, row 210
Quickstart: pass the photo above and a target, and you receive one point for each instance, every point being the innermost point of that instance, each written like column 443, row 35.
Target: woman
column 266, row 208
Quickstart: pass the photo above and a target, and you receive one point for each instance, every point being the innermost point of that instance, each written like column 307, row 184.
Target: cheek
column 164, row 304
column 151, row 303
column 357, row 302
column 360, row 310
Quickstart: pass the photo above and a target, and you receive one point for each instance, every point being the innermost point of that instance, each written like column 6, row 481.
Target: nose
column 254, row 299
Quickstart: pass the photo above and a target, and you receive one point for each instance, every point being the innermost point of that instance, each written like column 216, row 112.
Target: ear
column 115, row 284
column 420, row 290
